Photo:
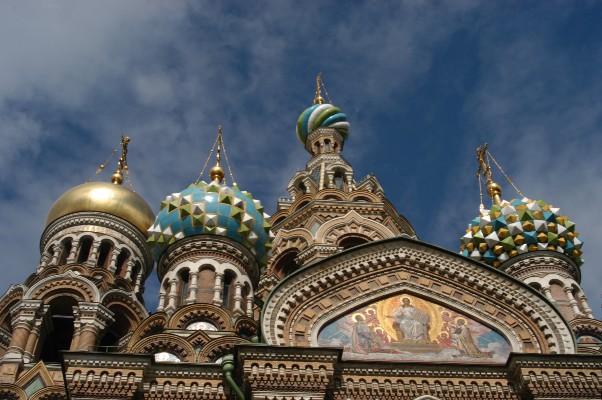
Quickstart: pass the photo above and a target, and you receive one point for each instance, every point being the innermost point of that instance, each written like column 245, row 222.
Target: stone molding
column 541, row 263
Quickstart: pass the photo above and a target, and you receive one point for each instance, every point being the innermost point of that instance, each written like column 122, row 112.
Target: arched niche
column 405, row 327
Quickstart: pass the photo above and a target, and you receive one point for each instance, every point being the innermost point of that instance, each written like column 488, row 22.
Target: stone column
column 93, row 318
column 55, row 255
column 194, row 278
column 128, row 272
column 238, row 299
column 42, row 322
column 138, row 282
column 113, row 261
column 547, row 291
column 43, row 262
column 217, row 289
column 172, row 294
column 250, row 304
column 569, row 294
column 73, row 252
column 586, row 310
column 24, row 315
column 93, row 257
column 161, row 305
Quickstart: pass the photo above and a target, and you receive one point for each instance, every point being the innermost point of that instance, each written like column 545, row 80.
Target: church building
column 333, row 297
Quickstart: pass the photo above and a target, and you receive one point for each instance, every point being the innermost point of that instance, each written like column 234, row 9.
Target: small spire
column 217, row 173
column 493, row 189
column 122, row 164
column 318, row 98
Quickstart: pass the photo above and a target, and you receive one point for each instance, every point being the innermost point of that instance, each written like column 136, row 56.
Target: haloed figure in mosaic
column 463, row 341
column 362, row 339
column 413, row 323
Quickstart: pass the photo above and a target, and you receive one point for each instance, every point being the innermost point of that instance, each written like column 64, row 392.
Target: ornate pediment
column 308, row 301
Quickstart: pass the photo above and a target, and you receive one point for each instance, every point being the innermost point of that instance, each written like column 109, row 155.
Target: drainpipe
column 229, row 366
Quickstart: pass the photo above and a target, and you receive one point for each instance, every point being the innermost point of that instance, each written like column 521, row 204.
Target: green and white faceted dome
column 322, row 116
column 212, row 209
column 517, row 227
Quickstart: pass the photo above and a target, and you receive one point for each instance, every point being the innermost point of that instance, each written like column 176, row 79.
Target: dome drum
column 324, row 140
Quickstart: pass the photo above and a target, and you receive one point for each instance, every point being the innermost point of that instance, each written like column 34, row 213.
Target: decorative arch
column 12, row 392
column 285, row 264
column 152, row 325
column 364, row 196
column 298, row 238
column 67, row 284
column 50, row 393
column 306, row 301
column 193, row 312
column 12, row 296
column 218, row 347
column 351, row 223
column 165, row 342
column 300, row 202
column 245, row 326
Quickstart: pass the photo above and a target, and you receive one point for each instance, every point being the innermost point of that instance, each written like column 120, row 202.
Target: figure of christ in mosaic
column 411, row 328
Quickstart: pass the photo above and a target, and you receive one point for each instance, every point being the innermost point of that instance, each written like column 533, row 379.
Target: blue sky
column 423, row 84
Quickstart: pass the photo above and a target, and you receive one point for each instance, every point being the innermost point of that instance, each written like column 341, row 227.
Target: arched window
column 302, row 188
column 61, row 329
column 85, row 245
column 228, row 292
column 65, row 250
column 352, row 241
column 184, row 277
column 121, row 263
column 327, row 145
column 339, row 180
column 120, row 327
column 286, row 264
column 104, row 252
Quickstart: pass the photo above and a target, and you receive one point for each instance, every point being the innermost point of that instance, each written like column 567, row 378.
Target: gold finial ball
column 117, row 178
column 319, row 100
column 494, row 189
column 217, row 173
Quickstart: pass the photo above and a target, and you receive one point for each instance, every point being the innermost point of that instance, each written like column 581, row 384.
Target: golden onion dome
column 104, row 197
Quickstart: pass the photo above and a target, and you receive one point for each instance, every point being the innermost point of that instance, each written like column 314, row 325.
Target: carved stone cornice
column 541, row 262
column 292, row 372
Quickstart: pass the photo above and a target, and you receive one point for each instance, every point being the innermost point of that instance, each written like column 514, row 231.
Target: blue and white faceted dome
column 212, row 209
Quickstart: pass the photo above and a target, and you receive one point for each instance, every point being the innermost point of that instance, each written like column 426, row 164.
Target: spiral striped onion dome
column 518, row 227
column 212, row 209
column 322, row 116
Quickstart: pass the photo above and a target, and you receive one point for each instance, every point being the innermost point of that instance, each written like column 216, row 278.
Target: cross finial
column 318, row 99
column 122, row 164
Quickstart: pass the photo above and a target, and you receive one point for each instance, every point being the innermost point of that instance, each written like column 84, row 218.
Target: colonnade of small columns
column 115, row 259
column 575, row 297
column 170, row 295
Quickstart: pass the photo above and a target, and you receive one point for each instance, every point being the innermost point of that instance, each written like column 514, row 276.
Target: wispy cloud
column 422, row 83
